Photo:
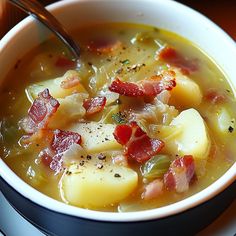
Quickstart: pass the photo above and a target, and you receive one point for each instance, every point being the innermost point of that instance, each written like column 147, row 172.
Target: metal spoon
column 38, row 11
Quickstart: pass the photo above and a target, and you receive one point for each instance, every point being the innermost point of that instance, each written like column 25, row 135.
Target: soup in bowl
column 140, row 128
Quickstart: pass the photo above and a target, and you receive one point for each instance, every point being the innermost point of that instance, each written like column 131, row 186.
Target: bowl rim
column 39, row 198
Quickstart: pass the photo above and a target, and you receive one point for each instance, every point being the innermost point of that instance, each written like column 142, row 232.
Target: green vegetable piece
column 107, row 117
column 119, row 118
column 156, row 167
column 125, row 62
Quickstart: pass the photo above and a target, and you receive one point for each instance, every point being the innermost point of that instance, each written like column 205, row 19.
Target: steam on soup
column 143, row 120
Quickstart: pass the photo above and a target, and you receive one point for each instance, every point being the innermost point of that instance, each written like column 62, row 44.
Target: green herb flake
column 125, row 62
column 119, row 118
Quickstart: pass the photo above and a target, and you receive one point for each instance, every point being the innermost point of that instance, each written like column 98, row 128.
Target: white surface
column 12, row 224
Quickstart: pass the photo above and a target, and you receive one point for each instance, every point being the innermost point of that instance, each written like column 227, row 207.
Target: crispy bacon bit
column 143, row 148
column 104, row 46
column 40, row 112
column 46, row 157
column 61, row 142
column 122, row 134
column 150, row 87
column 214, row 96
column 158, row 83
column 65, row 63
column 70, row 82
column 94, row 105
column 172, row 57
column 138, row 146
column 180, row 174
column 153, row 189
column 126, row 88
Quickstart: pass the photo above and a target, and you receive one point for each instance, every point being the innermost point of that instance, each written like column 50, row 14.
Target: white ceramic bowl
column 165, row 14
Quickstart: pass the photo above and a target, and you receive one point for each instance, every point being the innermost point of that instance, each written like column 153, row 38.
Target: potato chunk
column 225, row 122
column 96, row 137
column 193, row 138
column 94, row 187
column 54, row 86
column 187, row 93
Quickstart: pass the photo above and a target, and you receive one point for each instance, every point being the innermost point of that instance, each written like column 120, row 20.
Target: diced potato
column 54, row 86
column 90, row 186
column 224, row 121
column 187, row 93
column 41, row 66
column 70, row 109
column 193, row 138
column 96, row 137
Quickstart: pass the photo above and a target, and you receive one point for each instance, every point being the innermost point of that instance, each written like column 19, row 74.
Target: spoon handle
column 39, row 12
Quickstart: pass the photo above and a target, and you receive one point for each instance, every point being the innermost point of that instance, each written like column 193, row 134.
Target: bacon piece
column 104, row 46
column 65, row 63
column 43, row 107
column 126, row 88
column 46, row 156
column 61, row 142
column 180, row 174
column 158, row 83
column 153, row 189
column 143, row 148
column 94, row 105
column 149, row 87
column 122, row 134
column 172, row 57
column 214, row 96
column 138, row 146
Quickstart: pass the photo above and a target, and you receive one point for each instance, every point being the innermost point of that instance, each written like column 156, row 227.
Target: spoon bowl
column 39, row 12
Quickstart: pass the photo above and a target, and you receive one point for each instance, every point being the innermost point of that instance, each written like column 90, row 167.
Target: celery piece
column 156, row 167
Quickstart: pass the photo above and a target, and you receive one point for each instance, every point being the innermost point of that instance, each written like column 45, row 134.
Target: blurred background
column 221, row 12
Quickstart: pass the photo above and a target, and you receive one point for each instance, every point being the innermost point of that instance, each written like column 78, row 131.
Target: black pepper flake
column 101, row 156
column 99, row 166
column 68, row 172
column 90, row 63
column 118, row 101
column 108, row 59
column 231, row 129
column 227, row 90
column 89, row 157
column 37, row 145
column 106, row 139
column 81, row 163
column 116, row 175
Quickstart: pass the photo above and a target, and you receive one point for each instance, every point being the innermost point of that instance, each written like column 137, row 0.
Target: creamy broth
column 132, row 53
